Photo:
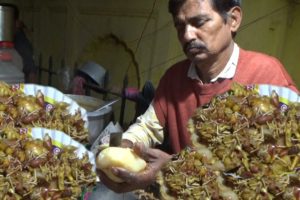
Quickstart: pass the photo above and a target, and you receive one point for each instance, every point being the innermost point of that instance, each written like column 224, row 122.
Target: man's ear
column 235, row 18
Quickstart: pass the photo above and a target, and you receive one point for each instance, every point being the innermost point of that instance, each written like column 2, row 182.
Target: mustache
column 194, row 44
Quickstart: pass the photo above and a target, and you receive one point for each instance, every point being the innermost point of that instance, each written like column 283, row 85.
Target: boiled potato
column 119, row 157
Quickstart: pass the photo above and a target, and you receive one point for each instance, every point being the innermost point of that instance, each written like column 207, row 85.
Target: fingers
column 124, row 174
column 132, row 181
column 114, row 186
column 148, row 154
column 126, row 143
column 141, row 150
column 136, row 180
column 151, row 155
column 155, row 159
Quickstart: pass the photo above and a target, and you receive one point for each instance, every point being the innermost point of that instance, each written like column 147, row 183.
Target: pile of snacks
column 194, row 176
column 31, row 169
column 243, row 142
column 18, row 110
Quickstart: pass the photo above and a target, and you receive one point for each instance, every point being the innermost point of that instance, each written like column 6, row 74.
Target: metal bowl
column 7, row 21
column 95, row 71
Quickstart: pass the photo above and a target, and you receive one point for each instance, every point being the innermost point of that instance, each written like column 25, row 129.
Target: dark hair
column 221, row 6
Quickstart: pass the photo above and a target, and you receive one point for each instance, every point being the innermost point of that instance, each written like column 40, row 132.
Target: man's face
column 201, row 30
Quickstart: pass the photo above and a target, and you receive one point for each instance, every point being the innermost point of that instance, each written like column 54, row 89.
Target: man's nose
column 190, row 33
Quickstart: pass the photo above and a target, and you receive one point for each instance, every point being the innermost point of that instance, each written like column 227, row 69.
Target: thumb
column 123, row 174
column 141, row 150
column 151, row 155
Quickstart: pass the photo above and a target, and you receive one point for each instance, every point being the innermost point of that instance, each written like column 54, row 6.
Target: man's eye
column 199, row 23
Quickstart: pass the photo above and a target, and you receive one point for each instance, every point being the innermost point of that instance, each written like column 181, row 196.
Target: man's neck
column 209, row 69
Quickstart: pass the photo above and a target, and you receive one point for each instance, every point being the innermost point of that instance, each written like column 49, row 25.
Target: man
column 206, row 29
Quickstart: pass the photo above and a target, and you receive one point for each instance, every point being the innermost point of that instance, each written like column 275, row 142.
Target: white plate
column 60, row 139
column 286, row 95
column 52, row 95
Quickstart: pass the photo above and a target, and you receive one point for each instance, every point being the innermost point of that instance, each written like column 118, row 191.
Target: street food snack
column 254, row 134
column 119, row 157
column 34, row 169
column 36, row 109
column 192, row 176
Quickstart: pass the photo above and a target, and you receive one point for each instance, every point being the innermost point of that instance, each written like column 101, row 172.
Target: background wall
column 273, row 27
column 136, row 37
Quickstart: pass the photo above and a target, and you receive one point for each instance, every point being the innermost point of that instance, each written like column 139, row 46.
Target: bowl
column 95, row 71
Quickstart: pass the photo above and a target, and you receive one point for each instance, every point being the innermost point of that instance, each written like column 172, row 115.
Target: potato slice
column 119, row 157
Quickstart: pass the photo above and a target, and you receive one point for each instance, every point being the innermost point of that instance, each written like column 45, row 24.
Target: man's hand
column 155, row 159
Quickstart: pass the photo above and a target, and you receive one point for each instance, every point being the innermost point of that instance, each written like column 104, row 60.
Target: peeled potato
column 119, row 157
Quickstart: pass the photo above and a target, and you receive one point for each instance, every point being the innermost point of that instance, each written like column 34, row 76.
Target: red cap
column 6, row 44
column 5, row 55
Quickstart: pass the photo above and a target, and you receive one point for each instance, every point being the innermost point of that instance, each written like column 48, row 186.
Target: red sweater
column 178, row 96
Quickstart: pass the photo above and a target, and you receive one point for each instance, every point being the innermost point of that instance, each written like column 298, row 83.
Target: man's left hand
column 155, row 159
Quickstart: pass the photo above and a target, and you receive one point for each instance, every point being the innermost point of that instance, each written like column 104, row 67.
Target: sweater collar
column 228, row 71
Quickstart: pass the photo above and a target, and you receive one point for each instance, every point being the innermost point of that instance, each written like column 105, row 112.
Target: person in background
column 142, row 98
column 206, row 30
column 24, row 47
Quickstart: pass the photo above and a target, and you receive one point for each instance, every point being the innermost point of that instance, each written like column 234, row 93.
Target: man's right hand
column 155, row 159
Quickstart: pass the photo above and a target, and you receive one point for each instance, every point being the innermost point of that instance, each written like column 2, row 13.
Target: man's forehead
column 194, row 8
column 194, row 5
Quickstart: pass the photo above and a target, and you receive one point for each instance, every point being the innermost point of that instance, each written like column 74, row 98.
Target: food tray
column 286, row 95
column 52, row 95
column 59, row 139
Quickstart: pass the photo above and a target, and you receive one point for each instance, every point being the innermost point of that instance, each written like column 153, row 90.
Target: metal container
column 95, row 71
column 7, row 22
column 98, row 120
